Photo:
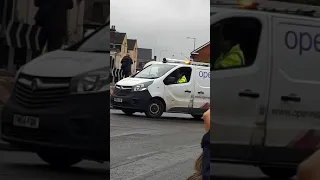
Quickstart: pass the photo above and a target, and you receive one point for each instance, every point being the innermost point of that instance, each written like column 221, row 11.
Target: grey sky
column 163, row 24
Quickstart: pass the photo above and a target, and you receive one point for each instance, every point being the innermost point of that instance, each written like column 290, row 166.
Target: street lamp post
column 194, row 42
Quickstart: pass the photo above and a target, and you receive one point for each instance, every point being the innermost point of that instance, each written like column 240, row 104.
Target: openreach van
column 266, row 113
column 59, row 107
column 155, row 89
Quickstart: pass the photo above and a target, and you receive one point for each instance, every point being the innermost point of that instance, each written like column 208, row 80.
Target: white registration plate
column 117, row 100
column 26, row 121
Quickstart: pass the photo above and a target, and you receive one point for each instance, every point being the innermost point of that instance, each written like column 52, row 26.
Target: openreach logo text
column 204, row 74
column 302, row 41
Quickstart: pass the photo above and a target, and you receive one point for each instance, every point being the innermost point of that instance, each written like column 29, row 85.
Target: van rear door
column 201, row 99
column 294, row 112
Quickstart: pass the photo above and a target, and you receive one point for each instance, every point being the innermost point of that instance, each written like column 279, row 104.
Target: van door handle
column 201, row 92
column 187, row 91
column 292, row 98
column 249, row 93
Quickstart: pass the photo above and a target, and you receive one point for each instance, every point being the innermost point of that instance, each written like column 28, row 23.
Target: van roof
column 267, row 13
column 188, row 62
column 277, row 8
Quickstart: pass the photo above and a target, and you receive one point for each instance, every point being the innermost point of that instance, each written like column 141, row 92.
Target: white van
column 155, row 90
column 150, row 63
column 59, row 105
column 266, row 113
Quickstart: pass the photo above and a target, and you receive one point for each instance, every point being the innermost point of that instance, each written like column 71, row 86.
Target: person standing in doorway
column 52, row 16
column 126, row 63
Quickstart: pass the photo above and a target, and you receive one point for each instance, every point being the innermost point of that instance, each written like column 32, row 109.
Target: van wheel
column 128, row 112
column 278, row 173
column 155, row 109
column 59, row 160
column 196, row 116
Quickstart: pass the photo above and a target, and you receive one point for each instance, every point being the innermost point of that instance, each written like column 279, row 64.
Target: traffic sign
column 20, row 35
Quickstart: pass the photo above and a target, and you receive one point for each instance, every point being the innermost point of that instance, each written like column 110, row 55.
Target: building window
column 118, row 47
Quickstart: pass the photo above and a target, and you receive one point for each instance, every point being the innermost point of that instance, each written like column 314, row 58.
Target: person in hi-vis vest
column 231, row 55
column 181, row 78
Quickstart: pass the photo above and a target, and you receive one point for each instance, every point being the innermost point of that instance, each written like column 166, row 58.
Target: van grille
column 46, row 93
column 122, row 90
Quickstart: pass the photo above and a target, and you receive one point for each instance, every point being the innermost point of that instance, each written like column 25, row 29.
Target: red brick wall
column 203, row 56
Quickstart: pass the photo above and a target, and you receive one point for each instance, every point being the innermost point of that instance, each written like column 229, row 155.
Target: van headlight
column 91, row 82
column 142, row 86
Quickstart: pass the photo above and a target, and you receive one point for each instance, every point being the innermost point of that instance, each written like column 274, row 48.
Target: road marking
column 137, row 132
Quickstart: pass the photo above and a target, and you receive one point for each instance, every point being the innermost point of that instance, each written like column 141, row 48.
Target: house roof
column 201, row 47
column 144, row 55
column 117, row 37
column 131, row 43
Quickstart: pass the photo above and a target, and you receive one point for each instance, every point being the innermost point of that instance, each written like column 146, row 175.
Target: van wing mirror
column 170, row 80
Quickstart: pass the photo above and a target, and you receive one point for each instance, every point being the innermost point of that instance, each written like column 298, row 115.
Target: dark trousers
column 126, row 73
column 54, row 40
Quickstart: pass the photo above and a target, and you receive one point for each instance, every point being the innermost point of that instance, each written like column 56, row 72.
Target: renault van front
column 59, row 106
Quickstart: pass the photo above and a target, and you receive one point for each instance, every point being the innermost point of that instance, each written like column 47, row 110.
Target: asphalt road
column 163, row 149
column 27, row 166
column 141, row 148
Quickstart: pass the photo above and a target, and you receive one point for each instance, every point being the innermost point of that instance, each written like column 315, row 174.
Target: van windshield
column 154, row 71
column 98, row 41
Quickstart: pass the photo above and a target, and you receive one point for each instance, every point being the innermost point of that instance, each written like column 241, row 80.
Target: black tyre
column 278, row 173
column 128, row 112
column 155, row 109
column 196, row 116
column 59, row 160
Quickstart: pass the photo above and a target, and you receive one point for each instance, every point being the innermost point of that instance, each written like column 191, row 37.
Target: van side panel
column 237, row 121
column 293, row 125
column 201, row 98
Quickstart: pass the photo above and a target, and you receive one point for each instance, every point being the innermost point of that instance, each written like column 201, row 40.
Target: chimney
column 112, row 34
column 113, row 28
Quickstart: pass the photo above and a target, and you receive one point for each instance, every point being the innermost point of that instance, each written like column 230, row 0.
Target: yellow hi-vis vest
column 234, row 57
column 183, row 79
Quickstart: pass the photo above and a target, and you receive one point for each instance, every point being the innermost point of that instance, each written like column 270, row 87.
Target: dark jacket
column 52, row 14
column 126, row 63
column 205, row 144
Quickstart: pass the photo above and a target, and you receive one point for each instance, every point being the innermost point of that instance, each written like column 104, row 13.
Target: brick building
column 201, row 54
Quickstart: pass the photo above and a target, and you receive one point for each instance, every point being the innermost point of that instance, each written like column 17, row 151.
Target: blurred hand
column 206, row 119
column 309, row 169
